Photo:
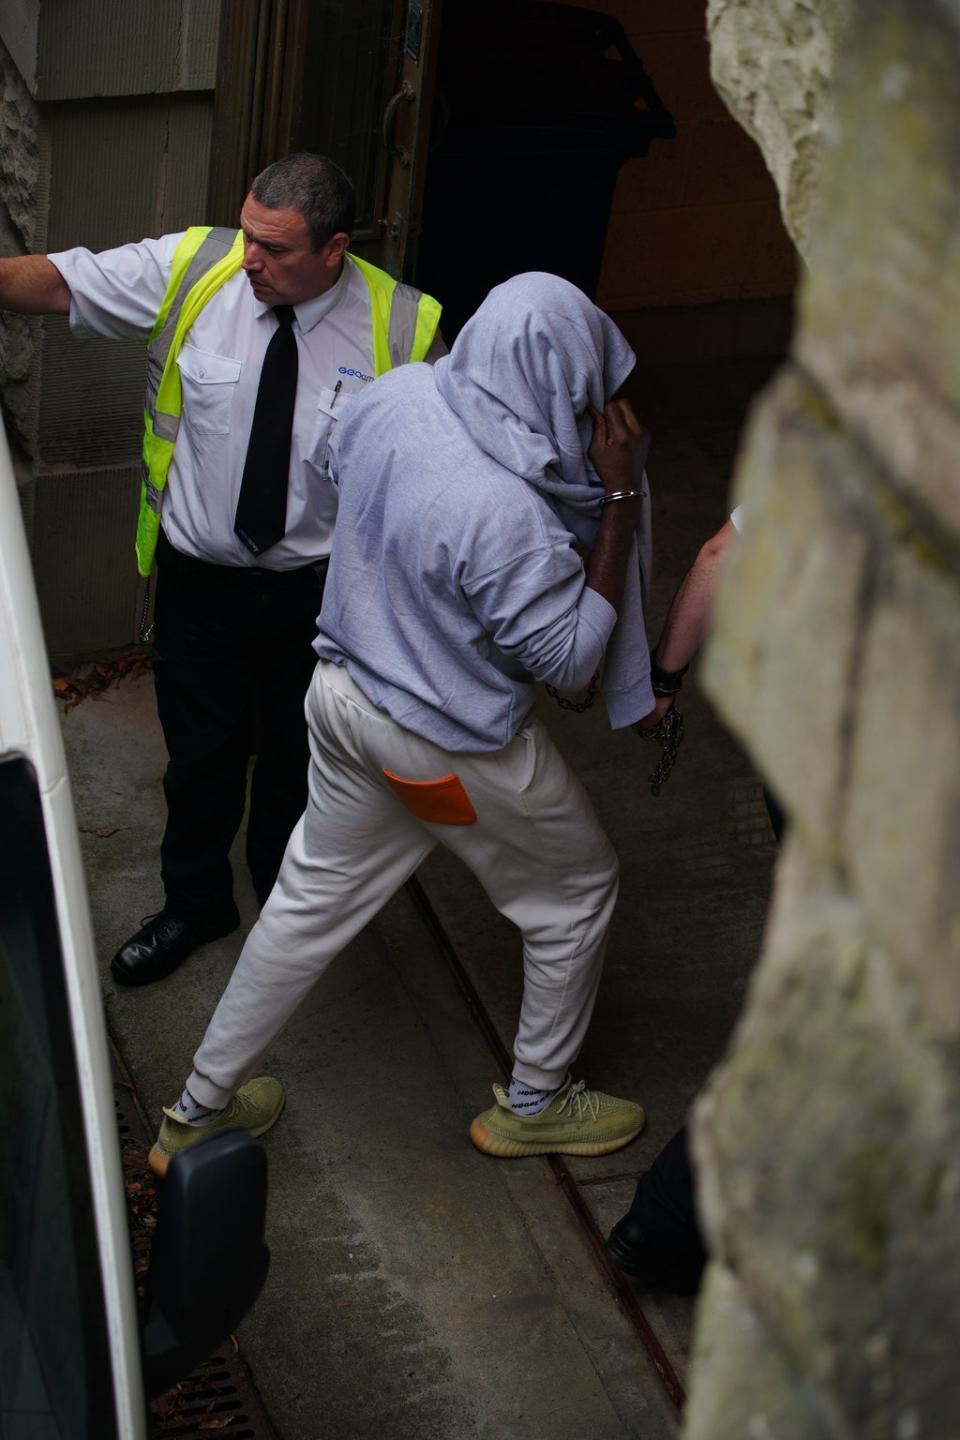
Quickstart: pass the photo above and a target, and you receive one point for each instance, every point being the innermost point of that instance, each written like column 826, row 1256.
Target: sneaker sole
column 159, row 1160
column 505, row 1148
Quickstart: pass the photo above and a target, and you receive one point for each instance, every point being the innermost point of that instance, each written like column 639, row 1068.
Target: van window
column 55, row 1378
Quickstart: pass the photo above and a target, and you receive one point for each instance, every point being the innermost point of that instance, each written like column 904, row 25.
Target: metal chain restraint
column 668, row 734
column 578, row 706
column 668, row 731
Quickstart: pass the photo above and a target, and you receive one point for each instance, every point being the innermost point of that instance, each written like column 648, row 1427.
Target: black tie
column 261, row 517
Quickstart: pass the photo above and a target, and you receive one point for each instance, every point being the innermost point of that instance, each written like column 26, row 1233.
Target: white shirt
column 118, row 293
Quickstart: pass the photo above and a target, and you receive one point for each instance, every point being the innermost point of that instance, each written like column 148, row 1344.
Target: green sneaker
column 255, row 1107
column 577, row 1121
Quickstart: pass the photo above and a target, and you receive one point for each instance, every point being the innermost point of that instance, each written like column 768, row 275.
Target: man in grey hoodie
column 467, row 492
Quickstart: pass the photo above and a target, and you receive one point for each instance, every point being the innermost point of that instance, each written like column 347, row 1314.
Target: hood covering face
column 520, row 378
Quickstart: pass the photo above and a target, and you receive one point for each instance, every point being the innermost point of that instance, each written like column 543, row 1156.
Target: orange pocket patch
column 442, row 802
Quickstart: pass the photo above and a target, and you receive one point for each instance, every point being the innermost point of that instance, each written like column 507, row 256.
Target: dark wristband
column 665, row 682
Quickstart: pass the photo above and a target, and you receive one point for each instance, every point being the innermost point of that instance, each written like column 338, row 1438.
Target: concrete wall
column 107, row 112
column 828, row 1141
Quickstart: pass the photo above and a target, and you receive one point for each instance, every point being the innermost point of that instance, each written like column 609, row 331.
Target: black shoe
column 674, row 1264
column 625, row 1246
column 162, row 943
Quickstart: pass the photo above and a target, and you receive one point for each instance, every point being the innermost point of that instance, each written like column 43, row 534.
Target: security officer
column 257, row 342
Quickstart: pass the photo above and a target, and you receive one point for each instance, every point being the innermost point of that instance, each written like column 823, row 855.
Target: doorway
column 536, row 107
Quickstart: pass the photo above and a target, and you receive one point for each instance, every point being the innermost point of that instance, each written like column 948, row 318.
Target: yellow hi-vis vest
column 403, row 322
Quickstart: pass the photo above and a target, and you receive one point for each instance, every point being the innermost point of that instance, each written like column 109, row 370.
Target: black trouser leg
column 223, row 638
column 204, row 695
column 278, row 789
column 659, row 1238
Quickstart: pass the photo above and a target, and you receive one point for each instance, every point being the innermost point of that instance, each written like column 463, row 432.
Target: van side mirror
column 208, row 1261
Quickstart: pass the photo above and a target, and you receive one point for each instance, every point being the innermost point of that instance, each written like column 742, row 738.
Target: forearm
column 691, row 612
column 607, row 566
column 32, row 285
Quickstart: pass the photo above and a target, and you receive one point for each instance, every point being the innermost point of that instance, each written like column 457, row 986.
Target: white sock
column 192, row 1112
column 525, row 1100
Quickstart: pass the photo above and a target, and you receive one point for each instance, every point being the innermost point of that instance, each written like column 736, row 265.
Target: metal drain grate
column 217, row 1401
column 209, row 1403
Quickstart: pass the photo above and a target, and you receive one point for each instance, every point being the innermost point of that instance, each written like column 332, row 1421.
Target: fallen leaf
column 164, row 1406
column 90, row 681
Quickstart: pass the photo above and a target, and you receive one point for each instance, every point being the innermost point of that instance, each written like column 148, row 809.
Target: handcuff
column 668, row 731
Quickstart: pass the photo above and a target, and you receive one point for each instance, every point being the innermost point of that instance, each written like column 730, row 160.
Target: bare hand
column 654, row 716
column 619, row 448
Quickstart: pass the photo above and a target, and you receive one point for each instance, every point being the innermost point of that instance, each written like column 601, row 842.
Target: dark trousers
column 233, row 660
column 664, row 1207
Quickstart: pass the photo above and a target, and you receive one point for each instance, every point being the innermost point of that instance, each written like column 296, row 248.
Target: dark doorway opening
column 537, row 105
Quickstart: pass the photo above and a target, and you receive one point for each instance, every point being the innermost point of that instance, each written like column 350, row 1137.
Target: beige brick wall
column 697, row 220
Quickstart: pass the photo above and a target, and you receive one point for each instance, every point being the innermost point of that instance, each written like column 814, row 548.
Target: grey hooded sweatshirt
column 454, row 580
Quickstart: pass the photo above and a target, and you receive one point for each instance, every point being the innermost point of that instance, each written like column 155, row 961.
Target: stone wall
column 19, row 217
column 773, row 66
column 828, row 1143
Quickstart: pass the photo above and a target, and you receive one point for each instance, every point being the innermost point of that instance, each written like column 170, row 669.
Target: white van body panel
column 29, row 726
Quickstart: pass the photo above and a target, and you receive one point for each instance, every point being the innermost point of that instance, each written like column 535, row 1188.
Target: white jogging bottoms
column 536, row 847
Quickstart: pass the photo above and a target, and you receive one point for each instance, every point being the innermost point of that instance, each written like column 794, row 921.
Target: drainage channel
column 623, row 1292
column 218, row 1399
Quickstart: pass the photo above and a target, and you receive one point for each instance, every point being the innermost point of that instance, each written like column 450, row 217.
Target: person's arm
column 539, row 606
column 690, row 615
column 32, row 285
column 618, row 452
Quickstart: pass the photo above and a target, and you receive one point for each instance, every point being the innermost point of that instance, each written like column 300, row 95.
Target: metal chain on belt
column 667, row 733
column 145, row 630
column 590, row 694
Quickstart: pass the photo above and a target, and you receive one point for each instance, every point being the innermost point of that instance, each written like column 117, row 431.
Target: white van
column 76, row 1361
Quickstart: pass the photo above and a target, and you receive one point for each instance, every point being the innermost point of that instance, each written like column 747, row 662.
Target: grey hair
column 315, row 186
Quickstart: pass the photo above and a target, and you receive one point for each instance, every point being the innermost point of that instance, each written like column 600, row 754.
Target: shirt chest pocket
column 332, row 405
column 209, row 383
